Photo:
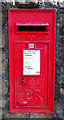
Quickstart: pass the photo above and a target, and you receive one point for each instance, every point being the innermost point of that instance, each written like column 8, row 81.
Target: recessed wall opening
column 32, row 28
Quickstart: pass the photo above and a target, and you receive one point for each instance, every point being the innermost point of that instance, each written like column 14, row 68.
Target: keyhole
column 22, row 79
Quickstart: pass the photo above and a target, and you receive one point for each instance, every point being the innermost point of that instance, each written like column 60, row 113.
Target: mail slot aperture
column 32, row 28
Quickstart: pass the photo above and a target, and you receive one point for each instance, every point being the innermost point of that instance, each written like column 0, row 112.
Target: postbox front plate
column 32, row 59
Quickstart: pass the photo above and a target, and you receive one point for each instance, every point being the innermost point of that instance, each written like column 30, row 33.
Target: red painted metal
column 32, row 93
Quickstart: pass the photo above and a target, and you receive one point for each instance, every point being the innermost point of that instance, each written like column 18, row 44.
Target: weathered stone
column 41, row 115
column 30, row 5
column 62, row 91
column 60, row 79
column 0, row 72
column 60, row 52
column 3, row 102
column 23, row 1
column 7, row 114
column 0, row 62
column 0, row 32
column 4, row 55
column 2, row 41
column 0, row 84
column 0, row 4
column 20, row 1
column 0, row 16
column 4, row 88
column 34, row 1
column 61, row 42
column 62, row 30
column 0, row 113
column 0, row 8
column 4, row 66
column 61, row 17
column 59, row 109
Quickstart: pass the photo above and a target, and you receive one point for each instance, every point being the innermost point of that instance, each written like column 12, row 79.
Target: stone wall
column 4, row 58
column 34, row 1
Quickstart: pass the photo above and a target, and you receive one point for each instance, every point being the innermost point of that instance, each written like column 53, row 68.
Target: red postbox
column 32, row 59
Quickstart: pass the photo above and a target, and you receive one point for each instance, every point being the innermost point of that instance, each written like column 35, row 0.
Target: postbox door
column 31, row 83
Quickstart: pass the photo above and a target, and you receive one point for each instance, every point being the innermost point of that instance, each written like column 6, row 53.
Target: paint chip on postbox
column 31, row 62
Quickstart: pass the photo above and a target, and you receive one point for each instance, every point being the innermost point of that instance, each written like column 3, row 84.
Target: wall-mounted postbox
column 32, row 59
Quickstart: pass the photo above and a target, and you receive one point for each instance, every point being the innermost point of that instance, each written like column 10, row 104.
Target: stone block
column 4, row 88
column 61, row 17
column 2, row 41
column 62, row 91
column 0, row 84
column 0, row 113
column 33, row 1
column 26, row 1
column 0, row 62
column 4, row 66
column 20, row 1
column 0, row 32
column 3, row 102
column 59, row 109
column 60, row 52
column 62, row 30
column 4, row 55
column 0, row 16
column 0, row 9
column 0, row 4
column 60, row 79
column 42, row 115
column 61, row 42
column 7, row 114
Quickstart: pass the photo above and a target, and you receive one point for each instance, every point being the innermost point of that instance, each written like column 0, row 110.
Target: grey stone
column 62, row 30
column 7, row 114
column 41, row 115
column 3, row 102
column 2, row 41
column 4, row 88
column 0, row 62
column 34, row 1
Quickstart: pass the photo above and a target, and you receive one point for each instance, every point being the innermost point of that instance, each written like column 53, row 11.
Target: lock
column 22, row 79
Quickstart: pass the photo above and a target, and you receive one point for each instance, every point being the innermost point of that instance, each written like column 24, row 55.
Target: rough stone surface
column 7, row 114
column 54, row 2
column 4, row 58
column 0, row 62
column 59, row 106
column 42, row 115
column 0, row 27
column 4, row 88
column 34, row 1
